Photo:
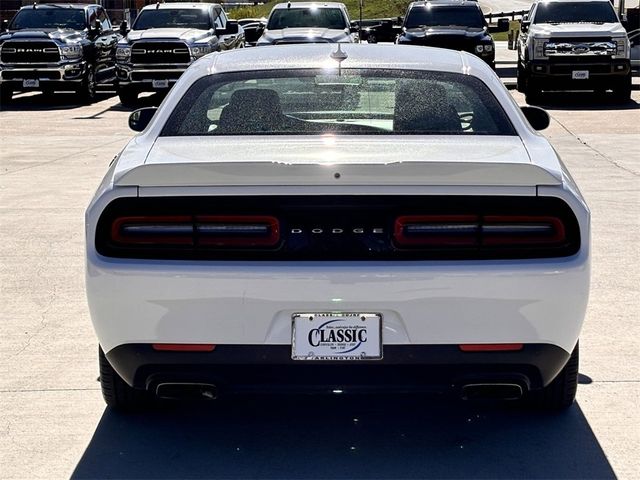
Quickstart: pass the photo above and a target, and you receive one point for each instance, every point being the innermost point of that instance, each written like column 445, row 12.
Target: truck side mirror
column 232, row 28
column 124, row 28
column 139, row 119
column 503, row 25
column 524, row 25
column 5, row 25
column 538, row 117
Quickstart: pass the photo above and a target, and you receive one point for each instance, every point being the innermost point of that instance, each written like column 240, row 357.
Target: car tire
column 372, row 38
column 6, row 94
column 128, row 96
column 116, row 392
column 87, row 90
column 622, row 91
column 561, row 392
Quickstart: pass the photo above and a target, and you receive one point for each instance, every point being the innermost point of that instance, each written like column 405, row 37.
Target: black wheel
column 116, row 392
column 372, row 38
column 532, row 92
column 622, row 91
column 6, row 94
column 561, row 392
column 128, row 96
column 87, row 90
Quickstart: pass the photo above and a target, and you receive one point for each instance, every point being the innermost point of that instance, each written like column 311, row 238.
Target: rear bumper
column 404, row 368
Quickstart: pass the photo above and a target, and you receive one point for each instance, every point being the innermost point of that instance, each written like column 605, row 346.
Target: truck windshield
column 429, row 16
column 49, row 18
column 331, row 18
column 575, row 12
column 173, row 18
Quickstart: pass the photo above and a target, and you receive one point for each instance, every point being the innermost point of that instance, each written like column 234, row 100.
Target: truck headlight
column 123, row 53
column 621, row 47
column 538, row 48
column 200, row 50
column 71, row 51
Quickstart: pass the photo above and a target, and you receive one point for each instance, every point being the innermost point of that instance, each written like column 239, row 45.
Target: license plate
column 337, row 336
column 160, row 83
column 31, row 83
column 580, row 74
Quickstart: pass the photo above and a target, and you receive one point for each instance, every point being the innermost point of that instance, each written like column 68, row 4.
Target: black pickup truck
column 453, row 24
column 49, row 47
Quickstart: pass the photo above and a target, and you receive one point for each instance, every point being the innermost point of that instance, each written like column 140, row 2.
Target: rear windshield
column 307, row 17
column 428, row 16
column 49, row 18
column 173, row 18
column 575, row 12
column 356, row 102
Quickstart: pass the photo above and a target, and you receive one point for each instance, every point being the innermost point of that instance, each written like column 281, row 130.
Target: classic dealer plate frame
column 339, row 336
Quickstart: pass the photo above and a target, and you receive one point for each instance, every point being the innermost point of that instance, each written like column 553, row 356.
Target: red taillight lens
column 519, row 230
column 436, row 230
column 183, row 347
column 444, row 231
column 224, row 231
column 166, row 230
column 491, row 347
column 237, row 231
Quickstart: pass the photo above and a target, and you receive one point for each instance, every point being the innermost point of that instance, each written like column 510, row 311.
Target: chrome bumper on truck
column 143, row 76
column 36, row 76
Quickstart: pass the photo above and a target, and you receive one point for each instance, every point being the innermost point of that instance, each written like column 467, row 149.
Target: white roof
column 309, row 5
column 194, row 6
column 282, row 57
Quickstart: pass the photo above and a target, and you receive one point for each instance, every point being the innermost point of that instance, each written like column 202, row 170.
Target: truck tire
column 87, row 90
column 116, row 392
column 532, row 92
column 561, row 392
column 6, row 94
column 521, row 78
column 128, row 96
column 622, row 91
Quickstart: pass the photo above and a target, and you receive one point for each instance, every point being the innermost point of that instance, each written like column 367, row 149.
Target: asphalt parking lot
column 53, row 422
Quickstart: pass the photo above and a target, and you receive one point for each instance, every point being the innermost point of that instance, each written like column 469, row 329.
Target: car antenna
column 339, row 56
column 158, row 5
column 288, row 5
column 34, row 5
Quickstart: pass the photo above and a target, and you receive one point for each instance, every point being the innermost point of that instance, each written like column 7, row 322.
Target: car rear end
column 344, row 261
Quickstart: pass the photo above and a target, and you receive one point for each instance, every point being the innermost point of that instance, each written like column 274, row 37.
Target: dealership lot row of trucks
column 564, row 44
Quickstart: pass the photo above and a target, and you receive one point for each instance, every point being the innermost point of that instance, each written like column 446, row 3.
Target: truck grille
column 337, row 228
column 572, row 48
column 160, row 52
column 29, row 52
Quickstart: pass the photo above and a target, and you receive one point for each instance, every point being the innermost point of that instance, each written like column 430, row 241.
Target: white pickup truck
column 573, row 45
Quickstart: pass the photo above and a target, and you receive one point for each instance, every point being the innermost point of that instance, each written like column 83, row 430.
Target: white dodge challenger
column 337, row 219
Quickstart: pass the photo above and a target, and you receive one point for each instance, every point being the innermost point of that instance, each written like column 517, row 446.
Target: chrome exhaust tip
column 186, row 391
column 492, row 391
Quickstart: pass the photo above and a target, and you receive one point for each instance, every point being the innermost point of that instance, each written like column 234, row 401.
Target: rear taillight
column 223, row 231
column 444, row 231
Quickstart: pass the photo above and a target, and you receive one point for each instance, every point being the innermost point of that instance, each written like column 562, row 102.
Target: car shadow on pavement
column 59, row 101
column 344, row 437
column 588, row 101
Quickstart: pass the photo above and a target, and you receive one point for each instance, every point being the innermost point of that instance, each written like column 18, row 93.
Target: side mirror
column 124, row 28
column 538, row 117
column 354, row 29
column 139, row 119
column 232, row 28
column 524, row 24
column 5, row 25
column 96, row 27
column 400, row 20
column 503, row 25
